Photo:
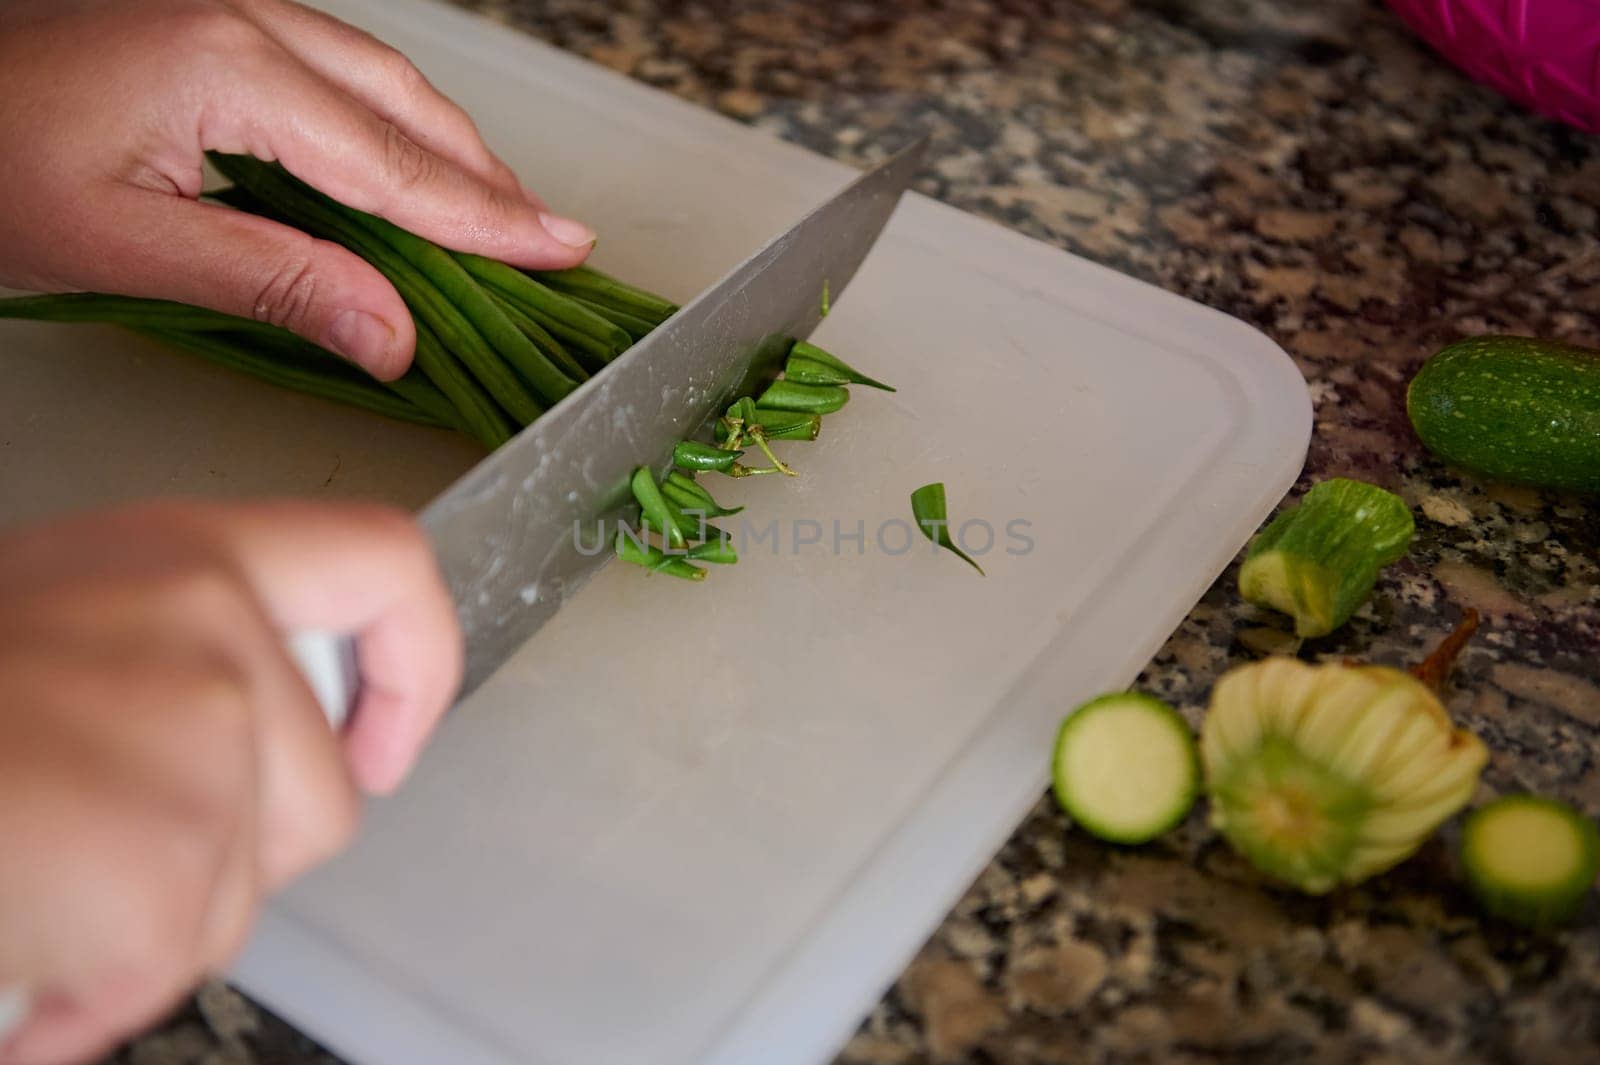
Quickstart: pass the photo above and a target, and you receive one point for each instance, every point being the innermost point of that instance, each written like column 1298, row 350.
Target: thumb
column 168, row 247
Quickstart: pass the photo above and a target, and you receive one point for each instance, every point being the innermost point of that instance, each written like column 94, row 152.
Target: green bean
column 444, row 271
column 809, row 399
column 696, row 527
column 481, row 416
column 788, row 425
column 689, row 494
column 810, row 365
column 541, row 337
column 299, row 204
column 326, row 382
column 130, row 311
column 928, row 508
column 594, row 354
column 693, row 455
column 655, row 506
column 412, row 385
column 719, row 551
column 653, row 558
column 596, row 287
column 636, row 328
column 551, row 303
column 778, row 425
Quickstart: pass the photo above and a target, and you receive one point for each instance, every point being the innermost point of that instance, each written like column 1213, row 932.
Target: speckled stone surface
column 1311, row 169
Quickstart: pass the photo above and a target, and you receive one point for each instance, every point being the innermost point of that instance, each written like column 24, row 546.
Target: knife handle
column 327, row 660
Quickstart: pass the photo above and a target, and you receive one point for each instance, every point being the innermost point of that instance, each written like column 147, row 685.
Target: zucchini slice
column 1530, row 860
column 1125, row 767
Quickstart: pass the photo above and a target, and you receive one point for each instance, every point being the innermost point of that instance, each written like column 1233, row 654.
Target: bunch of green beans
column 674, row 532
column 496, row 346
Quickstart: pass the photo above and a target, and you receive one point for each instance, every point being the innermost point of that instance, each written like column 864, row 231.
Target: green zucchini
column 1318, row 561
column 1530, row 860
column 1125, row 767
column 1513, row 408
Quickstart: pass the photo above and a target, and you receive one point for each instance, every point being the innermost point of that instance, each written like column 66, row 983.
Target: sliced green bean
column 693, row 455
column 295, row 202
column 547, row 300
column 690, row 494
column 928, row 508
column 719, row 551
column 597, row 287
column 778, row 425
column 654, row 505
column 811, row 365
column 653, row 558
column 788, row 425
column 808, row 399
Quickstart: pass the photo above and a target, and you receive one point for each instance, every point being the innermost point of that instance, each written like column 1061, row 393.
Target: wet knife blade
column 515, row 535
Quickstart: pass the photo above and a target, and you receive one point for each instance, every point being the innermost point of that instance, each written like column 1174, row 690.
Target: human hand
column 107, row 108
column 163, row 766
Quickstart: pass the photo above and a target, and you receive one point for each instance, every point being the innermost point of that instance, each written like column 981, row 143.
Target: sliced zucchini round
column 1530, row 860
column 1125, row 767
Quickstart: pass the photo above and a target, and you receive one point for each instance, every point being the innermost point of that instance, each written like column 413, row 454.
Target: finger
column 386, row 82
column 84, row 1026
column 330, row 141
column 168, row 247
column 366, row 570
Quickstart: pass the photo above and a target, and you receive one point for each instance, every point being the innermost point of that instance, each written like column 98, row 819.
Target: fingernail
column 362, row 338
column 572, row 233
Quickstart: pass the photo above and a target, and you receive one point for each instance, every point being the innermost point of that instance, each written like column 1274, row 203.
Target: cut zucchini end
column 1290, row 585
column 1530, row 860
column 1125, row 767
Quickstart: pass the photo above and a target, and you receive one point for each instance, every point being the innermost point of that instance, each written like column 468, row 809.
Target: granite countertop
column 1313, row 170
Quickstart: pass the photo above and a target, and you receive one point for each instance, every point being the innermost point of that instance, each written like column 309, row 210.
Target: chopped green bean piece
column 811, row 365
column 689, row 493
column 653, row 558
column 808, row 399
column 692, row 455
column 655, row 506
column 928, row 507
column 718, row 550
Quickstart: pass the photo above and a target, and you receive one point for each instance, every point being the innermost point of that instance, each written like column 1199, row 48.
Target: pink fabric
column 1543, row 53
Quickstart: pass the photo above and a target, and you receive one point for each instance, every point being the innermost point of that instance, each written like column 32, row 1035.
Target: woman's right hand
column 163, row 765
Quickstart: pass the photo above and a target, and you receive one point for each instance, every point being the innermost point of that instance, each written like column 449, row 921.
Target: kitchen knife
column 516, row 535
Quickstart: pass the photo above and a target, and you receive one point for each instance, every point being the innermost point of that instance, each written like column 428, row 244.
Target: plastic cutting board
column 712, row 823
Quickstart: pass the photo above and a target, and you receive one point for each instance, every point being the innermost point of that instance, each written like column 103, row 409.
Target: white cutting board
column 712, row 823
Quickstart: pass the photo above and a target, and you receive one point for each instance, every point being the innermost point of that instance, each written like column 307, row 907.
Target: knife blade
column 510, row 533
